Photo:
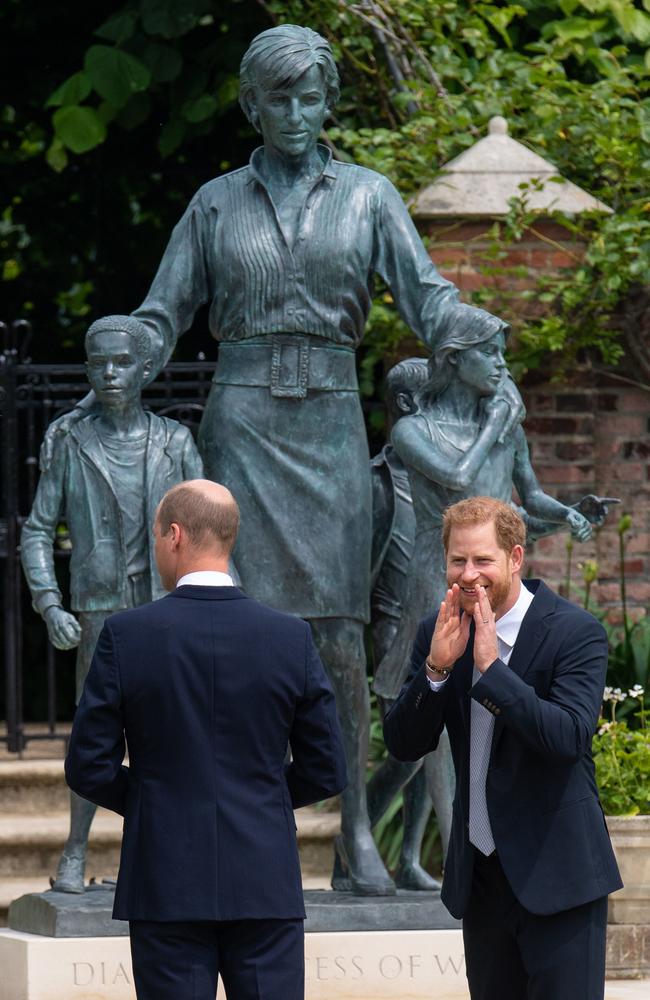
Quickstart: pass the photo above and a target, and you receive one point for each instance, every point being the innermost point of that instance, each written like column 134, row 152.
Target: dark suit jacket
column 546, row 819
column 208, row 687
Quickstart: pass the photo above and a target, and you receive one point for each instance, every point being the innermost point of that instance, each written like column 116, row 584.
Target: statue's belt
column 287, row 364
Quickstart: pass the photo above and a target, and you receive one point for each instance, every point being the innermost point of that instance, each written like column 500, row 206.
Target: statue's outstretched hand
column 579, row 525
column 451, row 633
column 63, row 628
column 594, row 508
column 61, row 426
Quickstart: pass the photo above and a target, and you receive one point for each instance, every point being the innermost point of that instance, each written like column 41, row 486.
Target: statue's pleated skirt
column 299, row 469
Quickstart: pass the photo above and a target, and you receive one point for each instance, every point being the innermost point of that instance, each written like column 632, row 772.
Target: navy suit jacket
column 546, row 819
column 208, row 687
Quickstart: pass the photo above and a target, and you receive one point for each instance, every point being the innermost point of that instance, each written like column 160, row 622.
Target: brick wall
column 589, row 436
column 594, row 438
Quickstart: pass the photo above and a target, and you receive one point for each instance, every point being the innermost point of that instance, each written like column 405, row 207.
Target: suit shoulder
column 140, row 616
column 570, row 616
column 280, row 619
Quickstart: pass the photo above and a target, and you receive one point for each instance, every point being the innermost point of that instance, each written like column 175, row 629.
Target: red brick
column 625, row 472
column 583, row 474
column 607, row 401
column 448, row 256
column 575, row 402
column 625, row 425
column 636, row 449
column 573, row 451
column 552, row 425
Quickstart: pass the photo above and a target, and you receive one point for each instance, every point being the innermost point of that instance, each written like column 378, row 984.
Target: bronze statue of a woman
column 284, row 251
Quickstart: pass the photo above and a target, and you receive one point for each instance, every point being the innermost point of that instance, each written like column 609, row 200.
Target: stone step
column 31, row 844
column 33, row 786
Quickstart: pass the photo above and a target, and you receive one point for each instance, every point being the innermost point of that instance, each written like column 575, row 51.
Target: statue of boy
column 105, row 477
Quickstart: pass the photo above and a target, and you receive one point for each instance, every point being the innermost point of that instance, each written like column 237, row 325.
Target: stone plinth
column 65, row 915
column 339, row 966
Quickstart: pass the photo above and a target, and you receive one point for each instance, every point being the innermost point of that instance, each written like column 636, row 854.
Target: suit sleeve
column 317, row 769
column 562, row 724
column 413, row 725
column 93, row 766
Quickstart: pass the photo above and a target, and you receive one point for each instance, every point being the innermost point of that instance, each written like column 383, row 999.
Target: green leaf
column 135, row 112
column 164, row 62
column 73, row 90
column 118, row 28
column 200, row 109
column 228, row 91
column 571, row 28
column 80, row 129
column 634, row 22
column 169, row 18
column 115, row 75
column 56, row 156
column 171, row 137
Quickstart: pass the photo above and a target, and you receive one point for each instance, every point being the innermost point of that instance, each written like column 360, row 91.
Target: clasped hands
column 451, row 633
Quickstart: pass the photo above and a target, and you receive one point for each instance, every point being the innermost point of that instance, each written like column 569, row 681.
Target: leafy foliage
column 622, row 759
column 136, row 106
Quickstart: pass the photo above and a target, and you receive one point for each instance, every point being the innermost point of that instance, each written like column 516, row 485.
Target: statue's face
column 483, row 367
column 115, row 370
column 290, row 119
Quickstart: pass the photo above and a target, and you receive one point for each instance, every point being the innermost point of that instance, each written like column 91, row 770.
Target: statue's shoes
column 414, row 878
column 366, row 873
column 69, row 875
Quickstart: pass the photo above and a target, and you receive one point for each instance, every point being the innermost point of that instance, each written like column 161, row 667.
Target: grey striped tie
column 480, row 745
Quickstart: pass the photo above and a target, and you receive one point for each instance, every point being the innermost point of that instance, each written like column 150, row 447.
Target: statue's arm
column 426, row 301
column 422, row 296
column 538, row 503
column 181, row 283
column 39, row 531
column 417, row 450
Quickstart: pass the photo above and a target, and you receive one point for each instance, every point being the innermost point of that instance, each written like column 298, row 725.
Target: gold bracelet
column 443, row 671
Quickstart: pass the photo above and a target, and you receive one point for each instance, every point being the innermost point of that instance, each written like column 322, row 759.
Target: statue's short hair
column 136, row 330
column 278, row 57
column 508, row 524
column 204, row 519
column 408, row 375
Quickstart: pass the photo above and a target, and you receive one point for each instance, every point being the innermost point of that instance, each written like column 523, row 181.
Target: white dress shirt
column 205, row 578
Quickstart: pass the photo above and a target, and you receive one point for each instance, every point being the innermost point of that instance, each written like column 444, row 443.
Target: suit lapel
column 532, row 635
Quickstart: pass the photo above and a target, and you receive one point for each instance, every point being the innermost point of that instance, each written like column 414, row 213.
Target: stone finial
column 481, row 181
column 497, row 126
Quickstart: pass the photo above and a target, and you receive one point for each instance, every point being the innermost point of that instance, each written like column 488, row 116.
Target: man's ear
column 147, row 369
column 177, row 533
column 516, row 558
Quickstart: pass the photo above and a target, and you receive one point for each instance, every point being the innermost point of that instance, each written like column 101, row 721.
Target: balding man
column 207, row 688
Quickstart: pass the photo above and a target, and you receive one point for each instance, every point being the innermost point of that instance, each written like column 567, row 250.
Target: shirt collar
column 508, row 626
column 324, row 152
column 205, row 578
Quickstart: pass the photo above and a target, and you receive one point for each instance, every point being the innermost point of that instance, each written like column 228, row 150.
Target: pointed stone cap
column 480, row 182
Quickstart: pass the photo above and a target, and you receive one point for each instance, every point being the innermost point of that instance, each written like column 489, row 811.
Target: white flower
column 607, row 694
column 636, row 692
column 606, row 726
